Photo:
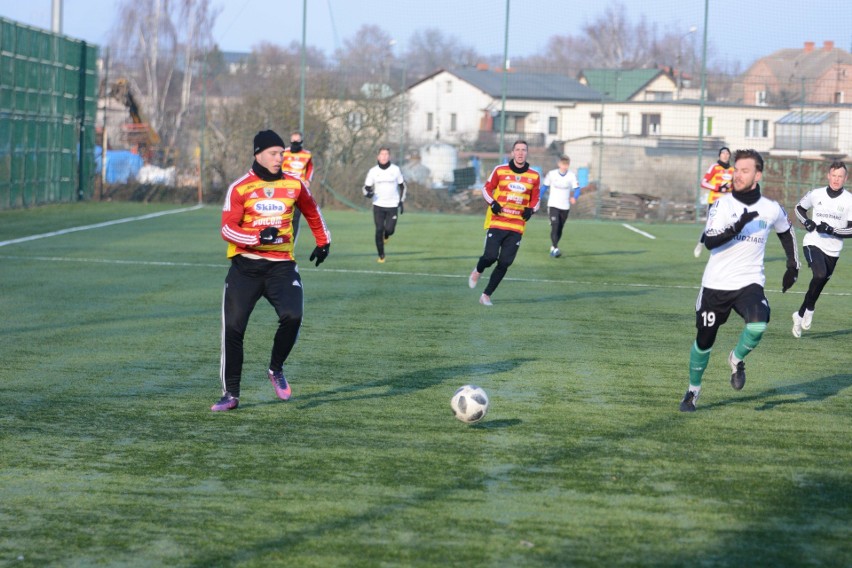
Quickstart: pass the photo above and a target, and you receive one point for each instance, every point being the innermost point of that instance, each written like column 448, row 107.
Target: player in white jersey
column 560, row 184
column 386, row 187
column 736, row 233
column 830, row 221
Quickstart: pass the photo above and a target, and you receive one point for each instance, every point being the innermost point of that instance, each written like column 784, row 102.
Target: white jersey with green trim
column 834, row 211
column 739, row 262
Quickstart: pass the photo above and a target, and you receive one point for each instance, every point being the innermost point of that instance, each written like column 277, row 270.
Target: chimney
column 809, row 46
column 827, row 45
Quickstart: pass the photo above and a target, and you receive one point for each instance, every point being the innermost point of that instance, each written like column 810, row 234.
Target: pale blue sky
column 738, row 31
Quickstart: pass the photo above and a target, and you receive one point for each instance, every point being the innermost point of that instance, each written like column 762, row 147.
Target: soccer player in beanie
column 257, row 224
column 831, row 221
column 738, row 227
column 718, row 180
column 512, row 195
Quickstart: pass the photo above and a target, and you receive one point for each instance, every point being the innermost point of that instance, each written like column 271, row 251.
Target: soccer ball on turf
column 469, row 404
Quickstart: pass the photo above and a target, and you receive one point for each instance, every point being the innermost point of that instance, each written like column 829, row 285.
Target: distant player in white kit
column 385, row 186
column 831, row 221
column 561, row 184
column 736, row 233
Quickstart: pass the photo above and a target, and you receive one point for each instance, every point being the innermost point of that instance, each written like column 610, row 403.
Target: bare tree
column 159, row 42
column 431, row 49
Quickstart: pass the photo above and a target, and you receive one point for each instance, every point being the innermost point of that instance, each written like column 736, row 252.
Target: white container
column 441, row 159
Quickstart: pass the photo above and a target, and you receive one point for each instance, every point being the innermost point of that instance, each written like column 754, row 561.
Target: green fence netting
column 48, row 101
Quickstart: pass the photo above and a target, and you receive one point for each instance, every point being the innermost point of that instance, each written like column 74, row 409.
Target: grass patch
column 109, row 454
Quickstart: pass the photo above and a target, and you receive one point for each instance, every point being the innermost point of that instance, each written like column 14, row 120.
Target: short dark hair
column 753, row 154
column 516, row 142
column 383, row 148
column 837, row 165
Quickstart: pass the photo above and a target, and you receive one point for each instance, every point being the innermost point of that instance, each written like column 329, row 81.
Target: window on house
column 624, row 122
column 449, row 86
column 515, row 123
column 430, row 121
column 708, row 126
column 659, row 95
column 838, row 98
column 597, row 122
column 652, row 124
column 760, row 98
column 552, row 125
column 453, row 124
column 756, row 128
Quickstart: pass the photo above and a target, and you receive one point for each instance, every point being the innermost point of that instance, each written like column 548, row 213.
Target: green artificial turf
column 109, row 454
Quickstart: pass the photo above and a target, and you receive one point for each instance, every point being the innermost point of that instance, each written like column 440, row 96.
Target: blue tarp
column 121, row 165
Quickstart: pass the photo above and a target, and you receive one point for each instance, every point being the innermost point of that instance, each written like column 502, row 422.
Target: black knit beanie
column 266, row 139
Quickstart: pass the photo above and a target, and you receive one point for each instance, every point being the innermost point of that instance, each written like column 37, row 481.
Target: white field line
column 635, row 230
column 98, row 225
column 384, row 273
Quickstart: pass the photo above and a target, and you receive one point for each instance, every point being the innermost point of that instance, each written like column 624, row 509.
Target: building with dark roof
column 463, row 107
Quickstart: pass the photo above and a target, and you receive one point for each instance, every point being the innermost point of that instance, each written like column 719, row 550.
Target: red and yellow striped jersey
column 515, row 192
column 298, row 164
column 253, row 204
column 718, row 180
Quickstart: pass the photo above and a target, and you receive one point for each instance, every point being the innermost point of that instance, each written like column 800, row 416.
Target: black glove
column 401, row 208
column 320, row 253
column 528, row 212
column 496, row 208
column 724, row 188
column 368, row 191
column 268, row 235
column 825, row 228
column 809, row 225
column 745, row 219
column 789, row 279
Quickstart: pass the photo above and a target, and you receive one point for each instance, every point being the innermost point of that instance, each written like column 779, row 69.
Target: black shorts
column 714, row 306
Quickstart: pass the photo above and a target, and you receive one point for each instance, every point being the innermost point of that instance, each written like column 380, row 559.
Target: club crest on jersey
column 269, row 191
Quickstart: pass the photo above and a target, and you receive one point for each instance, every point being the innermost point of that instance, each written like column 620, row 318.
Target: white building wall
column 444, row 95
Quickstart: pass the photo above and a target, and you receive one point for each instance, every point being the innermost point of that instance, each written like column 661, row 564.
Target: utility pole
column 56, row 16
column 302, row 81
column 505, row 80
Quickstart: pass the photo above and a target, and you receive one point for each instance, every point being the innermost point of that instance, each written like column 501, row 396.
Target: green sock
column 749, row 339
column 697, row 363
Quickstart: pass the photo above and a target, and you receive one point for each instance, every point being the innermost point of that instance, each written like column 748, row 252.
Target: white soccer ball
column 469, row 404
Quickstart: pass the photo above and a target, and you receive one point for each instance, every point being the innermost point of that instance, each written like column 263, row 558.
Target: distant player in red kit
column 718, row 180
column 512, row 194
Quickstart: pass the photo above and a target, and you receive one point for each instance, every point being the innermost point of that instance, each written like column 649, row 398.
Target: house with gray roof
column 462, row 107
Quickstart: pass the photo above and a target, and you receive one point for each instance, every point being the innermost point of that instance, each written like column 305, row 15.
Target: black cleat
column 737, row 373
column 688, row 402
